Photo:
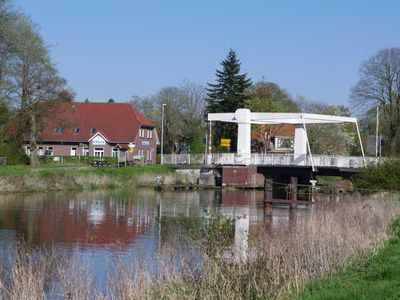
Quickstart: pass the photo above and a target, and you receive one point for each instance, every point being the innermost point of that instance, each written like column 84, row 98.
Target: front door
column 98, row 152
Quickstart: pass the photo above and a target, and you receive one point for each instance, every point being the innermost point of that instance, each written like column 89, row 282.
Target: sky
column 121, row 48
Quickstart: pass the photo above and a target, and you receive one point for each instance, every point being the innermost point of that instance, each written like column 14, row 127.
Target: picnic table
column 99, row 163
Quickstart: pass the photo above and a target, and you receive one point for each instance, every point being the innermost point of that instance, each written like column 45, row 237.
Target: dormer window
column 58, row 130
column 92, row 130
column 77, row 130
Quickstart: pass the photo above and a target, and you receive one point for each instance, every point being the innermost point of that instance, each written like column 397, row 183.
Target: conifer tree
column 227, row 95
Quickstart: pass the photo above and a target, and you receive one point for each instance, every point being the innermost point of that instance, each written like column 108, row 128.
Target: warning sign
column 225, row 143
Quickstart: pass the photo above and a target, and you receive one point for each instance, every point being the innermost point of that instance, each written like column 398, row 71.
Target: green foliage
column 227, row 95
column 269, row 97
column 385, row 176
column 377, row 278
column 14, row 153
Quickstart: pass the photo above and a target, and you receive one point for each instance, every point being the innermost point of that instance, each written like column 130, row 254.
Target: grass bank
column 51, row 178
column 375, row 278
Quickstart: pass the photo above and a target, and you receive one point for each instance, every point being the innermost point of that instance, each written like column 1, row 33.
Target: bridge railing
column 270, row 159
column 177, row 159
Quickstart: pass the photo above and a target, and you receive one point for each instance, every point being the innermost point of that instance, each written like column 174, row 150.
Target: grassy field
column 21, row 170
column 377, row 278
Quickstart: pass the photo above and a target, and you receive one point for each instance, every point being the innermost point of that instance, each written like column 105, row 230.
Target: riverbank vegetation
column 384, row 176
column 279, row 261
column 375, row 278
column 52, row 178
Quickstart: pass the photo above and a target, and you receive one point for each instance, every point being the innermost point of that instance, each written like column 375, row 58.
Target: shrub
column 384, row 176
column 14, row 154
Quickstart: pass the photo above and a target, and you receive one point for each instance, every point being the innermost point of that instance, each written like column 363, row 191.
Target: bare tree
column 34, row 79
column 379, row 86
column 184, row 113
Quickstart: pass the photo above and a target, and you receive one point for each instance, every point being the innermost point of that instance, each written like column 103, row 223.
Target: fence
column 270, row 159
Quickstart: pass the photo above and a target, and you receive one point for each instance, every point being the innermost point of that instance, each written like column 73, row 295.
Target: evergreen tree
column 227, row 95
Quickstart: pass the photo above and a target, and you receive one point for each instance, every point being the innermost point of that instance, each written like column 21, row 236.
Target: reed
column 282, row 257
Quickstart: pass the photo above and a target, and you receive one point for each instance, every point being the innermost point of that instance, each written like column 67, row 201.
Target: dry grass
column 281, row 260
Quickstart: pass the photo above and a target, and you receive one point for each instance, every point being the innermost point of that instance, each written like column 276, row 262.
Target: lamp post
column 162, row 132
column 377, row 141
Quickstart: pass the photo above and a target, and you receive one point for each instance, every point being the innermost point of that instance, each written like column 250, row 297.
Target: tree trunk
column 33, row 139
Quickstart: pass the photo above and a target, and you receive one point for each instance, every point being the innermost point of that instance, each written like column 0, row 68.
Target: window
column 85, row 151
column 40, row 151
column 28, row 150
column 284, row 143
column 150, row 134
column 73, row 151
column 92, row 130
column 141, row 133
column 49, row 151
column 148, row 156
column 140, row 152
column 98, row 152
column 114, row 152
column 77, row 130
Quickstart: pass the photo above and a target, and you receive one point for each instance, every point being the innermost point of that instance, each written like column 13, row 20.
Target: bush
column 385, row 176
column 14, row 153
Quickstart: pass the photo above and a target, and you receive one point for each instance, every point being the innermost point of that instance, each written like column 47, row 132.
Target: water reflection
column 102, row 225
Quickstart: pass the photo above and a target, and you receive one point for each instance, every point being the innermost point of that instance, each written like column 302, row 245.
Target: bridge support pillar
column 268, row 189
column 293, row 192
column 243, row 117
column 300, row 145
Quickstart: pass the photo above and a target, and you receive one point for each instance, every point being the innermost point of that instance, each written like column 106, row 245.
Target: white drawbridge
column 244, row 118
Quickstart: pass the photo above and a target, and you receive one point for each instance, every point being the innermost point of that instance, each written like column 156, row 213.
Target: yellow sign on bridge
column 225, row 143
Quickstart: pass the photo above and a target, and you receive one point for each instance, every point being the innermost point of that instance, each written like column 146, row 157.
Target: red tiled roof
column 286, row 130
column 119, row 122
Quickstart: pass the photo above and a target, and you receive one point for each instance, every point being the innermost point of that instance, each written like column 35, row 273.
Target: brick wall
column 239, row 176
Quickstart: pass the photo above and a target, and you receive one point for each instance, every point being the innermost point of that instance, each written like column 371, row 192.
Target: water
column 100, row 227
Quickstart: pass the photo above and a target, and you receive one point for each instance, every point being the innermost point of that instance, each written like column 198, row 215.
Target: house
column 97, row 130
column 274, row 139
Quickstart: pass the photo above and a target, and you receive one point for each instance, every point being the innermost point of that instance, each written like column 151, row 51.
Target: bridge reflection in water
column 101, row 226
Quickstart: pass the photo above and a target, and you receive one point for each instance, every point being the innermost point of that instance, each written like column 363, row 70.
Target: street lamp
column 162, row 132
column 378, row 139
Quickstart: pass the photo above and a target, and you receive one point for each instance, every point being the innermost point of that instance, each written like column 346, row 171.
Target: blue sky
column 116, row 49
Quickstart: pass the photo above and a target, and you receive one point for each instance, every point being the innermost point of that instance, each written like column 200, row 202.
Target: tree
column 7, row 18
column 379, row 86
column 183, row 123
column 34, row 80
column 268, row 97
column 227, row 95
column 330, row 139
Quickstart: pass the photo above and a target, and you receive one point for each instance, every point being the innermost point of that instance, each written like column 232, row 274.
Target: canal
column 102, row 228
